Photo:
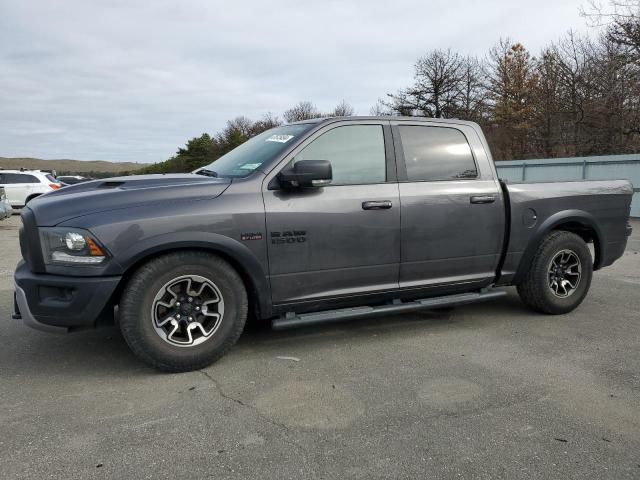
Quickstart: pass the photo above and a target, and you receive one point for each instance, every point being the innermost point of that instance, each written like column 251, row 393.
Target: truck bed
column 596, row 210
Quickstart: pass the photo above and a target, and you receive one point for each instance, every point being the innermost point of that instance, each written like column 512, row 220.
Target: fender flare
column 238, row 254
column 551, row 223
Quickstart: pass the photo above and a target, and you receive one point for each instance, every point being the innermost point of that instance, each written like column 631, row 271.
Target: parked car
column 71, row 179
column 317, row 221
column 5, row 206
column 22, row 186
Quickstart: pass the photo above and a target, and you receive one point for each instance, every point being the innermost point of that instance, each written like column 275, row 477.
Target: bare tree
column 343, row 109
column 402, row 103
column 547, row 102
column 622, row 21
column 302, row 111
column 380, row 109
column 265, row 123
column 615, row 75
column 437, row 84
column 236, row 132
column 612, row 105
column 574, row 85
column 471, row 101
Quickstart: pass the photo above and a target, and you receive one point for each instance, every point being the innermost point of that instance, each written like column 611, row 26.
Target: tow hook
column 16, row 311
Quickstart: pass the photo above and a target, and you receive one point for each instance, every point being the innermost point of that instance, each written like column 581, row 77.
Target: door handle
column 377, row 205
column 483, row 199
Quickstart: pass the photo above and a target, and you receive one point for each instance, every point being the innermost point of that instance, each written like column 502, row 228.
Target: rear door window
column 15, row 178
column 436, row 153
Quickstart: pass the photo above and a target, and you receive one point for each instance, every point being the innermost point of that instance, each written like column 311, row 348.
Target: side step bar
column 293, row 320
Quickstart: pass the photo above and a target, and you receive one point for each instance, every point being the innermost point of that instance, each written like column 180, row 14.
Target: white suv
column 24, row 185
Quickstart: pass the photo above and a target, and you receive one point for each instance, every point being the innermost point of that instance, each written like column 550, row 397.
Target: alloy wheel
column 187, row 310
column 564, row 274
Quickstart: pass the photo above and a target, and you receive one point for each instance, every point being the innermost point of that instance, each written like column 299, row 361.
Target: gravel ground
column 484, row 391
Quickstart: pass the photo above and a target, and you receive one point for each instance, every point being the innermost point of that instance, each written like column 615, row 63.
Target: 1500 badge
column 289, row 236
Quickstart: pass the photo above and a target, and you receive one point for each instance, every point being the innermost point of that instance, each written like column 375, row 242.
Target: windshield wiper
column 206, row 173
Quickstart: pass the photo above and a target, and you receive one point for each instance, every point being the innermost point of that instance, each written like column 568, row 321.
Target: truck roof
column 455, row 121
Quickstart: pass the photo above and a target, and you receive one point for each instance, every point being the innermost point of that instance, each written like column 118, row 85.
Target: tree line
column 578, row 96
column 202, row 150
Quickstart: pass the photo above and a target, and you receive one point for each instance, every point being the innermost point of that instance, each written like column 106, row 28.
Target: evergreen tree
column 512, row 86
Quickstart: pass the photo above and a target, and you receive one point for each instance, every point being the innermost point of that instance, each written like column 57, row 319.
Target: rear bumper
column 611, row 252
column 57, row 303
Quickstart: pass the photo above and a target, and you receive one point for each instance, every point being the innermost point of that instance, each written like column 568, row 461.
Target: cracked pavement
column 483, row 391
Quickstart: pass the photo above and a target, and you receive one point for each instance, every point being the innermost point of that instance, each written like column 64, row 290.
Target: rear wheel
column 559, row 276
column 183, row 311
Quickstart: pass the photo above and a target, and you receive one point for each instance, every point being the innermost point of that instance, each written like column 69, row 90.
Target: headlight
column 70, row 246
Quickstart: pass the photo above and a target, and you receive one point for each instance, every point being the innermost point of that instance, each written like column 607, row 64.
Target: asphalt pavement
column 482, row 391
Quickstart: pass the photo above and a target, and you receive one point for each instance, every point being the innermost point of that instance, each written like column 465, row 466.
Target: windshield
column 249, row 156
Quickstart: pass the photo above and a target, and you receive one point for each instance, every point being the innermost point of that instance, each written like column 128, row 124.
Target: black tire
column 139, row 298
column 536, row 291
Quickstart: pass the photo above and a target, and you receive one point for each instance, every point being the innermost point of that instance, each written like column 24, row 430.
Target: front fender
column 239, row 255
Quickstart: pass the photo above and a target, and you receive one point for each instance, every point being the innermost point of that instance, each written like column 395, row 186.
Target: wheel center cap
column 186, row 308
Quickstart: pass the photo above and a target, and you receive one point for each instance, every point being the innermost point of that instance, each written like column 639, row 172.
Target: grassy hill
column 71, row 166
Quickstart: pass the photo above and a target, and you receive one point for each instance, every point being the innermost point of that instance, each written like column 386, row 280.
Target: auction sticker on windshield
column 250, row 166
column 279, row 138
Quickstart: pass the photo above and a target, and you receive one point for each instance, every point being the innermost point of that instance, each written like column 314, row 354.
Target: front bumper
column 58, row 303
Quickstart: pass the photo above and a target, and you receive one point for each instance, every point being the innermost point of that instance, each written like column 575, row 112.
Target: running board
column 293, row 320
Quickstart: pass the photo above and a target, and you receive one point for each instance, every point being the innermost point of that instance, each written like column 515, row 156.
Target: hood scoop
column 111, row 184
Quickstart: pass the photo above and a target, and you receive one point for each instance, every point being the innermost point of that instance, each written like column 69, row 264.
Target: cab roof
column 321, row 120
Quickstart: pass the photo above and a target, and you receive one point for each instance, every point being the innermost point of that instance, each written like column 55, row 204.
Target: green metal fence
column 606, row 167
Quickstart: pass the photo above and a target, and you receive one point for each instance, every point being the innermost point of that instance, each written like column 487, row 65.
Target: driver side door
column 342, row 239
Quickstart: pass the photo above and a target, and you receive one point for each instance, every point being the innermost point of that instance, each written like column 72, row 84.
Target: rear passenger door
column 451, row 206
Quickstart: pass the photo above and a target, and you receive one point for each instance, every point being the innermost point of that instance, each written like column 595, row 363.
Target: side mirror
column 305, row 174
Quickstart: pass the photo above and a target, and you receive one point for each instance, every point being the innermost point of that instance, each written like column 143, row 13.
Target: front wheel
column 559, row 275
column 183, row 311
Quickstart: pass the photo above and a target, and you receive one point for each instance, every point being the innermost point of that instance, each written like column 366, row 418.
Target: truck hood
column 123, row 192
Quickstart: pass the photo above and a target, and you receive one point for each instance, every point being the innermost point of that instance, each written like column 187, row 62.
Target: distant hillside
column 70, row 166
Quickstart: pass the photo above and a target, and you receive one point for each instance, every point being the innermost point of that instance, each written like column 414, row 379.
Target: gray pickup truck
column 311, row 222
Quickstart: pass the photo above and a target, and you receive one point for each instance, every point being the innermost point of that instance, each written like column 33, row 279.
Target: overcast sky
column 132, row 81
